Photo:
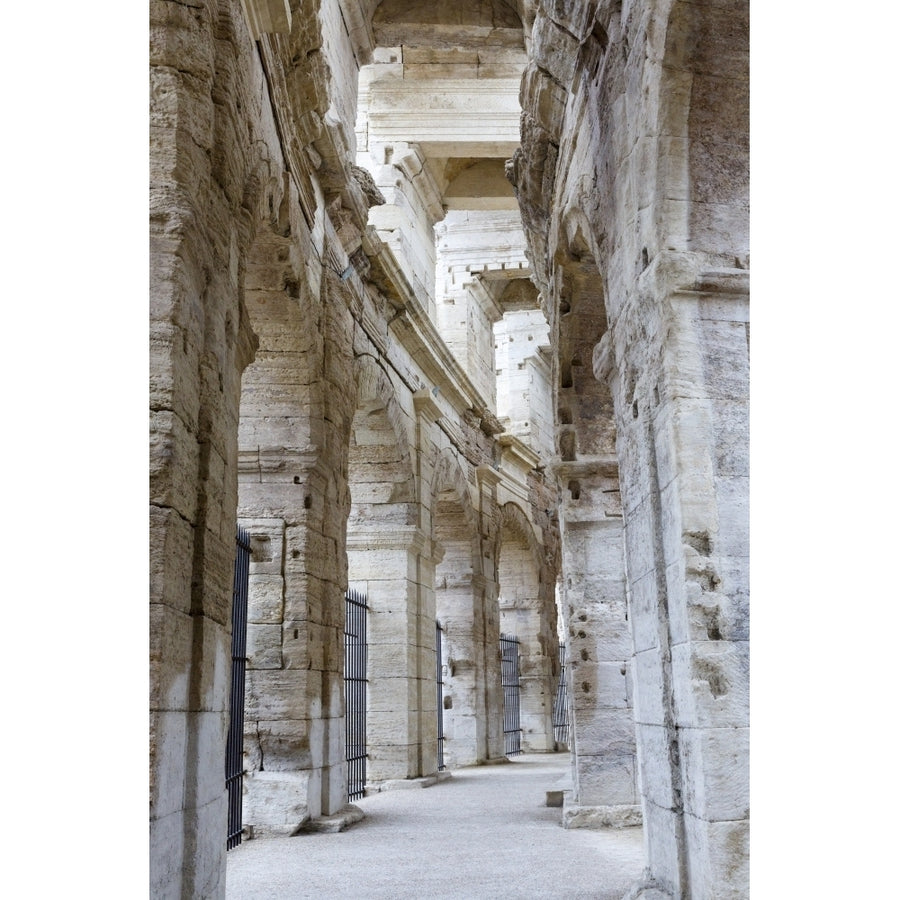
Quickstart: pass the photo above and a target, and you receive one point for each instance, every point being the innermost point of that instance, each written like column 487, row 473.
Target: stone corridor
column 485, row 832
column 449, row 307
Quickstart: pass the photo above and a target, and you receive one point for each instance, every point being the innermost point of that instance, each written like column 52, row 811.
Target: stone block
column 645, row 612
column 168, row 740
column 608, row 732
column 733, row 497
column 718, row 858
column 661, row 830
column 655, row 765
column 711, row 682
column 171, row 639
column 264, row 646
column 276, row 803
column 174, row 462
column 554, row 49
column 291, row 651
column 275, row 694
column 167, row 863
column 265, row 601
column 607, row 781
column 204, row 779
column 171, row 559
column 280, row 745
column 611, row 691
column 211, row 824
column 716, row 765
column 599, row 816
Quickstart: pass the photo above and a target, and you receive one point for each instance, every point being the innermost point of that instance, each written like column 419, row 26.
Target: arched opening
column 526, row 613
column 465, row 606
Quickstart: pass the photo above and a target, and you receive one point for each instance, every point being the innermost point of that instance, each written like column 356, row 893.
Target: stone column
column 401, row 734
column 683, row 440
column 489, row 609
column 293, row 738
column 598, row 649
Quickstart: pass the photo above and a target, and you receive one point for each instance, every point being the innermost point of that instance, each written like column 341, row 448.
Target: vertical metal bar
column 234, row 748
column 355, row 663
column 509, row 678
column 439, row 653
column 561, row 705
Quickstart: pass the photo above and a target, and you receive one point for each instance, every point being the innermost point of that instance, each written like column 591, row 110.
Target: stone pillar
column 293, row 738
column 489, row 607
column 683, row 437
column 598, row 650
column 401, row 722
column 200, row 342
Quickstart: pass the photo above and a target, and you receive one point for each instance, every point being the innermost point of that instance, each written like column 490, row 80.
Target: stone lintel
column 276, row 463
column 267, row 17
column 518, row 453
column 603, row 466
column 488, row 475
column 425, row 405
column 397, row 537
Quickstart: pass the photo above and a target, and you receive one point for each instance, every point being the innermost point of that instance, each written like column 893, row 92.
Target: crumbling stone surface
column 334, row 257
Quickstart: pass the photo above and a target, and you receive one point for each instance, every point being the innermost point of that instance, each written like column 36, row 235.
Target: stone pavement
column 484, row 833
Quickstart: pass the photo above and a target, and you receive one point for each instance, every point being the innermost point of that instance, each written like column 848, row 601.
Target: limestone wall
column 634, row 166
column 310, row 378
column 299, row 385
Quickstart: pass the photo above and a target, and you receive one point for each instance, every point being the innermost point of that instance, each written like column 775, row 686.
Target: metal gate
column 234, row 747
column 561, row 704
column 355, row 693
column 509, row 678
column 439, row 648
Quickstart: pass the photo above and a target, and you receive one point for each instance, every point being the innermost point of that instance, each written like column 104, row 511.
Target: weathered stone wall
column 301, row 383
column 634, row 162
column 264, row 266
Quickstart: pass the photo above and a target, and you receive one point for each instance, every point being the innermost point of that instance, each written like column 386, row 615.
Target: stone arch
column 381, row 473
column 528, row 610
column 703, row 116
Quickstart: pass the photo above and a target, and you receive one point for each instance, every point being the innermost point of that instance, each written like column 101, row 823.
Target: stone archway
column 465, row 605
column 528, row 612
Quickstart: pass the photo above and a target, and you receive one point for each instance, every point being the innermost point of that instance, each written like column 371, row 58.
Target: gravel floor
column 484, row 833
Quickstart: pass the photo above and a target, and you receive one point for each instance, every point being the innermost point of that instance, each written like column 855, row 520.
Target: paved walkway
column 484, row 833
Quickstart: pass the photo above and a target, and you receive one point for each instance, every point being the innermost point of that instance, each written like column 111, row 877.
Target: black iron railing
column 234, row 747
column 561, row 704
column 439, row 648
column 355, row 693
column 509, row 677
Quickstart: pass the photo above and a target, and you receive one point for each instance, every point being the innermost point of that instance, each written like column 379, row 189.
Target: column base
column 620, row 816
column 341, row 820
column 405, row 784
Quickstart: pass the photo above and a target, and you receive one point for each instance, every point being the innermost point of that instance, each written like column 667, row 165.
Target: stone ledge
column 345, row 817
column 406, row 784
column 623, row 816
